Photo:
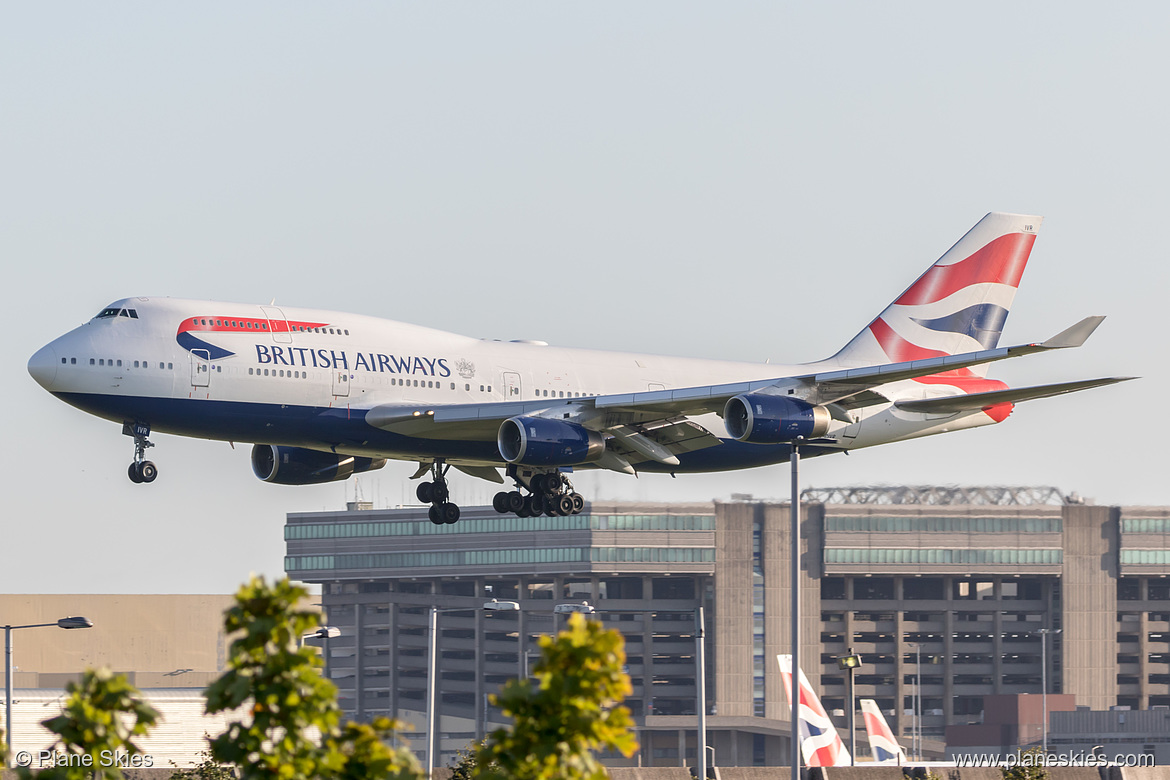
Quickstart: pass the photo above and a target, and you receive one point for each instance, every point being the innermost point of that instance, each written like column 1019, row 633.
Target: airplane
column 323, row 395
column 820, row 744
column 882, row 741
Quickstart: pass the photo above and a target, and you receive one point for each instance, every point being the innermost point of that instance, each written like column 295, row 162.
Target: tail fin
column 820, row 744
column 959, row 304
column 882, row 741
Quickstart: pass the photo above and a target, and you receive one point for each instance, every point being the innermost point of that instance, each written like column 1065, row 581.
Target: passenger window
column 136, row 364
column 91, row 361
column 467, row 387
column 249, row 372
column 171, row 366
column 119, row 364
column 347, row 331
column 452, row 385
column 102, row 362
column 62, row 361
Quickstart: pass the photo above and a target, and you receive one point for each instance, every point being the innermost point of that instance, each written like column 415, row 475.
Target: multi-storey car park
column 943, row 592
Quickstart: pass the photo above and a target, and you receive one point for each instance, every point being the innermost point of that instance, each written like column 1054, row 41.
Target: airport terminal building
column 943, row 592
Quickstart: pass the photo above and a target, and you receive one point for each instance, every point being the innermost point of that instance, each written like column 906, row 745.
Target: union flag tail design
column 959, row 304
column 819, row 742
column 882, row 741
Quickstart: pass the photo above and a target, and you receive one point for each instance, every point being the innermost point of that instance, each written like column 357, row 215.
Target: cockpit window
column 112, row 312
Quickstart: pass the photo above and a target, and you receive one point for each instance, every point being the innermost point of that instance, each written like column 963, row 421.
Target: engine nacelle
column 298, row 466
column 770, row 419
column 539, row 441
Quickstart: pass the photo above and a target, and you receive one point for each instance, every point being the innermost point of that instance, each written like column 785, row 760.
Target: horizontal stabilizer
column 1076, row 335
column 966, row 403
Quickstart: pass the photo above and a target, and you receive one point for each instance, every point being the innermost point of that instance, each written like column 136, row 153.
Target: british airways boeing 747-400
column 323, row 395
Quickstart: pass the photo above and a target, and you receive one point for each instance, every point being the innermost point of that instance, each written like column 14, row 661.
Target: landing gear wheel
column 500, row 503
column 439, row 492
column 578, row 502
column 449, row 513
column 537, row 483
column 533, row 504
column 515, row 502
column 435, row 515
column 147, row 471
column 565, row 506
column 425, row 493
column 134, row 474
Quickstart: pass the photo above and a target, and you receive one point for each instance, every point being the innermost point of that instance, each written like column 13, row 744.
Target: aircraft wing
column 972, row 401
column 654, row 425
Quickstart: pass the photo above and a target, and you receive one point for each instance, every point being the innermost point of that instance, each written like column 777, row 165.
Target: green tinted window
column 960, row 556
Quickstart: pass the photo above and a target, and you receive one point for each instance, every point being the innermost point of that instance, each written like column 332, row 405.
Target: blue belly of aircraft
column 324, row 428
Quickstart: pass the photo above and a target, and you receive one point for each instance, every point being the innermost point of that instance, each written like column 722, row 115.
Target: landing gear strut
column 141, row 470
column 549, row 493
column 436, row 493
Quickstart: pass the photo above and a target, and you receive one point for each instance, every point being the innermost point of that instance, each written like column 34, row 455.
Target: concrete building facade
column 943, row 603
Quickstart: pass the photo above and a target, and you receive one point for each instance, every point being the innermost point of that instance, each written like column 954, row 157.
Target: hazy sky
column 738, row 180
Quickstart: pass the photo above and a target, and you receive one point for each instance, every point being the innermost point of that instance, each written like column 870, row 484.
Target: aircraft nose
column 43, row 366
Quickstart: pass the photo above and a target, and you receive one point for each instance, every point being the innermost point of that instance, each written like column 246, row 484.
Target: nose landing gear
column 141, row 470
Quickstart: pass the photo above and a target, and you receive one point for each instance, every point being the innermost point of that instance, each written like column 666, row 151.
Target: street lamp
column 700, row 664
column 850, row 663
column 65, row 622
column 326, row 633
column 495, row 605
column 1044, row 632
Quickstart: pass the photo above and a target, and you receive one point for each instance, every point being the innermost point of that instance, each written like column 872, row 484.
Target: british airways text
column 373, row 362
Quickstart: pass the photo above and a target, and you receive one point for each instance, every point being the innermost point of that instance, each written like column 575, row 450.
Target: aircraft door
column 277, row 325
column 200, row 368
column 341, row 382
column 512, row 386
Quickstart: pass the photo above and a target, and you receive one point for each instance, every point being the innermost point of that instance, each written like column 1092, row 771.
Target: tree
column 288, row 700
column 565, row 713
column 96, row 731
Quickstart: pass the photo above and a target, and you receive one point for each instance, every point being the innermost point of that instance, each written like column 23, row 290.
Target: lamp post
column 65, row 622
column 794, row 608
column 494, row 605
column 326, row 633
column 700, row 668
column 916, row 702
column 1044, row 632
column 850, row 663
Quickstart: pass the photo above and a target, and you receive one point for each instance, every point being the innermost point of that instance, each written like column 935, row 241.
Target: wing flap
column 966, row 403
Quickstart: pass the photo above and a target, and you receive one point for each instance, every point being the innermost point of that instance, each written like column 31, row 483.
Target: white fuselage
column 305, row 377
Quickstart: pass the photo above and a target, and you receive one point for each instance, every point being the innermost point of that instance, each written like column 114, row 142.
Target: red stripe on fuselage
column 1001, row 261
column 244, row 325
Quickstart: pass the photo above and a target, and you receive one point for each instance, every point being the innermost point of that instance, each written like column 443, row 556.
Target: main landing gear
column 141, row 470
column 436, row 493
column 549, row 493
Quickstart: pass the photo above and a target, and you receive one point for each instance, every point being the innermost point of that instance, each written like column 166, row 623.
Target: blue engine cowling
column 298, row 466
column 538, row 441
column 770, row 419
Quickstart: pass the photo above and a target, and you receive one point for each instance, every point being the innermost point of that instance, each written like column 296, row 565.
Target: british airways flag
column 819, row 742
column 882, row 741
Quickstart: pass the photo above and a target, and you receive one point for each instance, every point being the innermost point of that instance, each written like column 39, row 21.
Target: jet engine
column 538, row 441
column 769, row 419
column 298, row 466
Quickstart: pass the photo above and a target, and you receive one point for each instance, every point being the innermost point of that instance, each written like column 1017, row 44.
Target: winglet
column 1076, row 335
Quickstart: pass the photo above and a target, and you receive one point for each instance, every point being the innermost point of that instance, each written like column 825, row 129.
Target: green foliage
column 465, row 765
column 1029, row 766
column 371, row 750
column 288, row 700
column 565, row 713
column 102, row 716
column 207, row 769
column 278, row 681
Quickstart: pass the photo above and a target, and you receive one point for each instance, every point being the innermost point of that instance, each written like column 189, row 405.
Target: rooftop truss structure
column 943, row 495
